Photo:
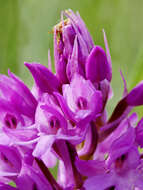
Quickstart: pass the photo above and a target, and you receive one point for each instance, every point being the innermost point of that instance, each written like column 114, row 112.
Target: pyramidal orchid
column 63, row 120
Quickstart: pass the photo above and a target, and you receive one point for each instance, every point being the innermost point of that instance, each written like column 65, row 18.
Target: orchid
column 63, row 120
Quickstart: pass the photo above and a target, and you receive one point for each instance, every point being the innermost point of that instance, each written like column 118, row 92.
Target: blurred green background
column 26, row 25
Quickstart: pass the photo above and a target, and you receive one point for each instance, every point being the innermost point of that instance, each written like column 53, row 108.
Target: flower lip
column 56, row 119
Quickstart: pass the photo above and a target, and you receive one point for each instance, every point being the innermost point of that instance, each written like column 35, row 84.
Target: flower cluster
column 63, row 121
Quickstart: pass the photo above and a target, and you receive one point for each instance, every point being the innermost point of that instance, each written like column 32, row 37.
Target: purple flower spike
column 64, row 120
column 96, row 61
column 43, row 77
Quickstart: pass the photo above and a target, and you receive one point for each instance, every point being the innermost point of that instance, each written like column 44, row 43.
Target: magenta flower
column 82, row 98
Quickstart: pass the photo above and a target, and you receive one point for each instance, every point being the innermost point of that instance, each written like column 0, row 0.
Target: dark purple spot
column 10, row 121
column 54, row 122
column 120, row 161
column 7, row 123
column 82, row 103
column 4, row 158
column 123, row 157
column 14, row 121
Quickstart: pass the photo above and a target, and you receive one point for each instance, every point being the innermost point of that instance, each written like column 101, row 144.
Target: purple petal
column 43, row 150
column 32, row 179
column 97, row 66
column 90, row 142
column 45, row 143
column 60, row 62
column 68, row 35
column 85, row 33
column 43, row 77
column 106, row 91
column 83, row 46
column 61, row 70
column 134, row 98
column 65, row 166
column 49, row 61
column 10, row 175
column 101, row 182
column 121, row 145
column 24, row 90
column 139, row 133
column 49, row 159
column 10, row 161
column 91, row 167
column 14, row 90
column 67, row 112
column 125, row 85
column 73, row 65
column 67, row 152
column 108, row 52
column 80, row 27
column 25, row 134
column 7, row 108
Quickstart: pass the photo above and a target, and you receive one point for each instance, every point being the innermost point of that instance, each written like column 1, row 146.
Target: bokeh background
column 26, row 35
